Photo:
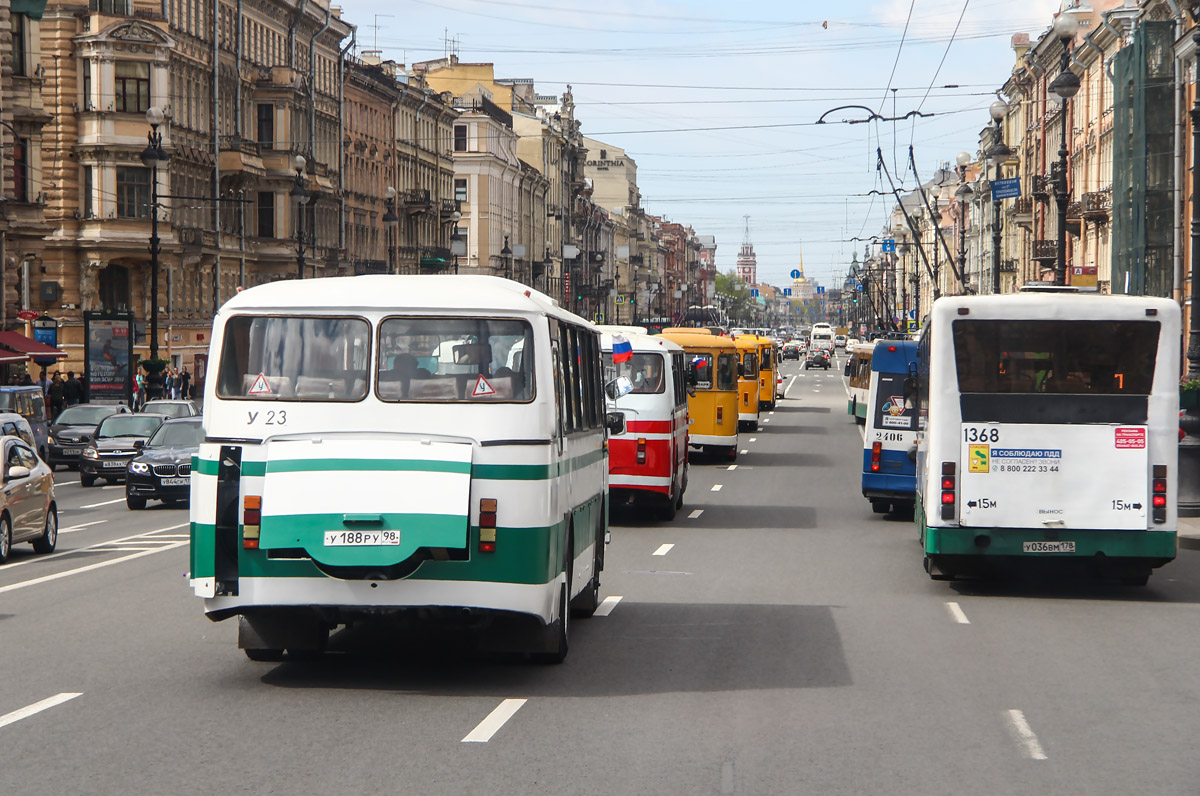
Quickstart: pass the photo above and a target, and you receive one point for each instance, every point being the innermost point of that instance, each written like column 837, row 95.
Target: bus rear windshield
column 1056, row 357
column 267, row 358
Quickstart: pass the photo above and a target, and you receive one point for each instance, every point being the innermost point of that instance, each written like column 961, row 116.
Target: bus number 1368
column 981, row 434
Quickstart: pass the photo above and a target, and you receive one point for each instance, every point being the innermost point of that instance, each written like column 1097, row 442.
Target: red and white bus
column 647, row 462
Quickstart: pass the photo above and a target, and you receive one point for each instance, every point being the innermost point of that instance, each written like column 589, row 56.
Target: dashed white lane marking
column 771, row 412
column 766, row 420
column 104, row 503
column 754, row 439
column 1025, row 736
column 743, row 451
column 695, row 515
column 716, row 487
column 81, row 526
column 956, row 611
column 607, row 605
column 663, row 549
column 732, row 467
column 484, row 731
column 37, row 707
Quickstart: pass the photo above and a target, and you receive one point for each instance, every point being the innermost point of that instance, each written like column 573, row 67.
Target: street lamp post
column 963, row 195
column 1193, row 349
column 390, row 222
column 506, row 256
column 1066, row 85
column 997, row 153
column 299, row 194
column 153, row 156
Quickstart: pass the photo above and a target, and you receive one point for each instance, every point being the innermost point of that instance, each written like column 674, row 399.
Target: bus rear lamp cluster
column 949, row 498
column 1158, row 493
column 641, row 450
column 487, row 525
column 251, row 521
column 876, row 452
column 720, row 413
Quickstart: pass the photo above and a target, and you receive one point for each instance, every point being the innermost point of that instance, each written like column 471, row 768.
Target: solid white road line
column 37, row 707
column 81, row 526
column 790, row 383
column 732, row 467
column 105, row 503
column 956, row 611
column 60, row 553
column 716, row 487
column 607, row 605
column 88, row 568
column 695, row 515
column 663, row 549
column 1025, row 736
column 484, row 731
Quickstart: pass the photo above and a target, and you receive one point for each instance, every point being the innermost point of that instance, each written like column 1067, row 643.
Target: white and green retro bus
column 400, row 448
column 1049, row 435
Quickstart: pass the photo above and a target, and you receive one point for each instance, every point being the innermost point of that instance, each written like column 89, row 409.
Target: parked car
column 114, row 443
column 162, row 471
column 71, row 430
column 817, row 358
column 14, row 425
column 27, row 509
column 172, row 407
column 29, row 403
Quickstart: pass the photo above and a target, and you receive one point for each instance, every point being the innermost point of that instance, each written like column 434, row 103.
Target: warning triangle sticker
column 260, row 386
column 482, row 388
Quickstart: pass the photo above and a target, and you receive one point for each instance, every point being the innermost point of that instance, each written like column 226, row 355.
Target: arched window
column 114, row 288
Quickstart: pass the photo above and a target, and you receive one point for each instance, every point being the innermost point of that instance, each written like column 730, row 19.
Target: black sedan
column 114, row 443
column 72, row 430
column 817, row 358
column 163, row 469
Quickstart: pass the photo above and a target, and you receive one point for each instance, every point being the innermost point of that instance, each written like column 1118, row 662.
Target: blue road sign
column 858, row 286
column 795, row 273
column 820, row 288
column 889, row 245
column 912, row 315
column 787, row 291
column 754, row 292
column 1006, row 189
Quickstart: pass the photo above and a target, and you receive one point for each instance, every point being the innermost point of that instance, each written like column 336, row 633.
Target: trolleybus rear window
column 434, row 360
column 294, row 358
column 1063, row 357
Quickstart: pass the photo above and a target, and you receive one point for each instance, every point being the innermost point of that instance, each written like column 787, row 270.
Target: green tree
column 735, row 296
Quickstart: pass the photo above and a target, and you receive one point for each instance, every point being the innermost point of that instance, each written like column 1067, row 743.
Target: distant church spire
column 747, row 261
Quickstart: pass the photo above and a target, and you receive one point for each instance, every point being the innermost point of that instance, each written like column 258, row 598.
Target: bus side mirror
column 615, row 422
column 618, row 387
column 692, row 378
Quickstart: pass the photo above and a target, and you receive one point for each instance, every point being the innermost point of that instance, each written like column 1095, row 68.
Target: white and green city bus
column 400, row 448
column 1049, row 435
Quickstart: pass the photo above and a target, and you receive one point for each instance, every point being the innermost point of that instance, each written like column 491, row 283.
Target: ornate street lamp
column 506, row 255
column 1193, row 349
column 997, row 153
column 963, row 194
column 390, row 221
column 1066, row 85
column 153, row 156
column 299, row 194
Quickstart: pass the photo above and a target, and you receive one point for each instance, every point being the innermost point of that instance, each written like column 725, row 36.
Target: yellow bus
column 768, row 371
column 713, row 399
column 748, row 376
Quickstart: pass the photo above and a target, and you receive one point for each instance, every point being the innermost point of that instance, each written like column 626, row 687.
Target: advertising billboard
column 108, row 356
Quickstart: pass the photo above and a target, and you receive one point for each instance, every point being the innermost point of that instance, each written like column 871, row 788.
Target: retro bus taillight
column 720, row 413
column 487, row 525
column 251, row 521
column 949, row 498
column 876, row 452
column 641, row 450
column 1158, row 493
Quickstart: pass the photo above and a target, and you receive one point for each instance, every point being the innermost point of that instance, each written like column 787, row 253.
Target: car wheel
column 86, row 480
column 134, row 502
column 5, row 538
column 49, row 539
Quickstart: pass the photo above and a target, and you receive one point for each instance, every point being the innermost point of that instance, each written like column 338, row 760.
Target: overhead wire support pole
column 907, row 219
column 936, row 227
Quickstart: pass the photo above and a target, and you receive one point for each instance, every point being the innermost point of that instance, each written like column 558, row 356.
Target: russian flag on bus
column 622, row 348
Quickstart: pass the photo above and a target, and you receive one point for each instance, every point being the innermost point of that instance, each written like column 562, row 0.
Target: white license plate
column 72, row 451
column 361, row 538
column 176, row 481
column 1048, row 547
column 115, row 464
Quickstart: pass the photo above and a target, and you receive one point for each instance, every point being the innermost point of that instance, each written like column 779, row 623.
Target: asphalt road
column 776, row 638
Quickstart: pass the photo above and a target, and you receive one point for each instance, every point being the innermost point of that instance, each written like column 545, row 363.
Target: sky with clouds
column 718, row 102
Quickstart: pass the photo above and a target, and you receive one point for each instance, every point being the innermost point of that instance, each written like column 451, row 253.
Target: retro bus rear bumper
column 720, row 440
column 1151, row 548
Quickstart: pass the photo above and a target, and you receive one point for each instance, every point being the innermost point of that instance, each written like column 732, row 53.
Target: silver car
column 27, row 509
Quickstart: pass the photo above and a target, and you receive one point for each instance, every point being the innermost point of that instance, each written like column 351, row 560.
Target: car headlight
column 90, row 453
column 141, row 468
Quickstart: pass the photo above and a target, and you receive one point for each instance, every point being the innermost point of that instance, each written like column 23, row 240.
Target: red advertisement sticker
column 1129, row 438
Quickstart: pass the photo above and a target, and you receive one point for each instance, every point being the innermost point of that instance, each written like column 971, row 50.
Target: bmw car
column 162, row 471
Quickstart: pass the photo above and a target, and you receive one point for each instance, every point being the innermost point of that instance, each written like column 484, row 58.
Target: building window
column 20, row 36
column 20, row 172
column 460, row 189
column 89, row 210
column 119, row 8
column 113, row 288
column 266, row 125
column 132, row 89
column 460, row 238
column 266, row 214
column 133, row 192
column 460, row 138
column 87, row 86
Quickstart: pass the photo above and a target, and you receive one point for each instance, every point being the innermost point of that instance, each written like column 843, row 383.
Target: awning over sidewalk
column 10, row 358
column 28, row 349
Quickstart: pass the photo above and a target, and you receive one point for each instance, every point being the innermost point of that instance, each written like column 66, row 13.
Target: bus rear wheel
column 562, row 628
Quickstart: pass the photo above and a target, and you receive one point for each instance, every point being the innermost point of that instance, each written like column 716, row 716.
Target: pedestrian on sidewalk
column 72, row 389
column 185, row 383
column 57, row 395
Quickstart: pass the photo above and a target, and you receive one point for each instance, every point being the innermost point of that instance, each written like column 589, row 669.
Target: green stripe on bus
column 535, row 472
column 360, row 465
column 210, row 467
column 202, row 553
column 1088, row 543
